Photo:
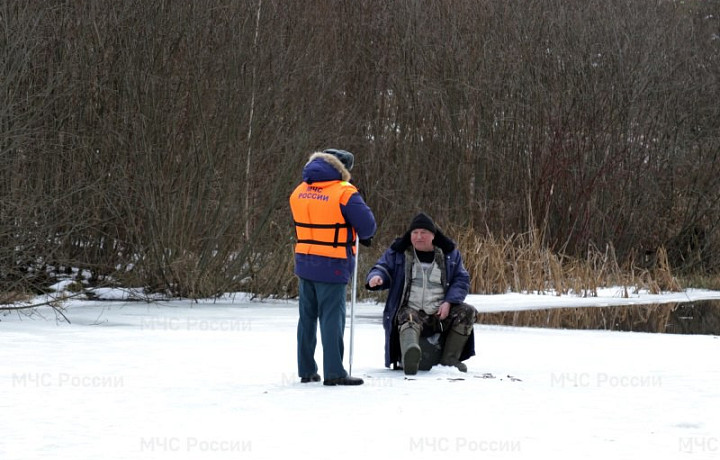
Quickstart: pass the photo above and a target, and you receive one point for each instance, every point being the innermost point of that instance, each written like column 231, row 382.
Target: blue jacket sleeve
column 359, row 215
column 384, row 268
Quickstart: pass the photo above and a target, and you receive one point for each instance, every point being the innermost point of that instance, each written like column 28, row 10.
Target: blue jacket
column 356, row 213
column 391, row 268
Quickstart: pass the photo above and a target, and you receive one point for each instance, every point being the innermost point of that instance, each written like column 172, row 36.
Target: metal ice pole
column 352, row 300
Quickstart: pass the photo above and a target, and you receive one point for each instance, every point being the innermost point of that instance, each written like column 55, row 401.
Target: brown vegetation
column 518, row 263
column 155, row 143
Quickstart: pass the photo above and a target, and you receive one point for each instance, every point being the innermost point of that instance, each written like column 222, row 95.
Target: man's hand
column 375, row 281
column 443, row 311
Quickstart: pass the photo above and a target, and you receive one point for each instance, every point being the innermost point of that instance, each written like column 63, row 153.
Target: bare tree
column 156, row 143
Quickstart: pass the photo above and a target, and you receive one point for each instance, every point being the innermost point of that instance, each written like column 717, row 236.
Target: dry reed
column 520, row 263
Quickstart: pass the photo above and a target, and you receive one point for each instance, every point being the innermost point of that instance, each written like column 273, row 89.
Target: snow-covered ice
column 184, row 380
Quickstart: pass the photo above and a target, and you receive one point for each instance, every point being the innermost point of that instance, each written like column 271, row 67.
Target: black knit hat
column 345, row 157
column 422, row 220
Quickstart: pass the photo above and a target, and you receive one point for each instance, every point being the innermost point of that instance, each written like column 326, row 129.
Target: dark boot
column 310, row 378
column 410, row 350
column 454, row 344
column 343, row 381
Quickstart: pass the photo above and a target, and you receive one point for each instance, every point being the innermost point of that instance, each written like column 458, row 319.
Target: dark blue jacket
column 355, row 212
column 391, row 268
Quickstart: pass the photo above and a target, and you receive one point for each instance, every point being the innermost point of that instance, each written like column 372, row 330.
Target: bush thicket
column 155, row 143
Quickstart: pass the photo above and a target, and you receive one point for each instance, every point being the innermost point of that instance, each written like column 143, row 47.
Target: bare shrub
column 156, row 143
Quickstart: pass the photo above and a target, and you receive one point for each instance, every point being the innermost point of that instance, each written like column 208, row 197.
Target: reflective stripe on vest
column 320, row 227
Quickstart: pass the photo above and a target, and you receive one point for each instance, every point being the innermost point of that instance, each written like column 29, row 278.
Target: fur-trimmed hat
column 334, row 161
column 422, row 220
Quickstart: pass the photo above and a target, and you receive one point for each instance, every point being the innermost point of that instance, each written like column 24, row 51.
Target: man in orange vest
column 328, row 214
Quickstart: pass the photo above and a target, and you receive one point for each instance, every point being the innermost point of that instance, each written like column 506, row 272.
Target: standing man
column 428, row 283
column 329, row 214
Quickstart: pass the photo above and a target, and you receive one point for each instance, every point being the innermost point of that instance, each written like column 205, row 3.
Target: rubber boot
column 454, row 344
column 410, row 350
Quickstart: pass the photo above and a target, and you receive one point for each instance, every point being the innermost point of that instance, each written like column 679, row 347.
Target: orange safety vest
column 320, row 227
